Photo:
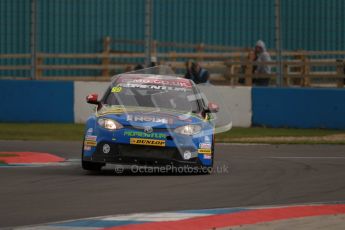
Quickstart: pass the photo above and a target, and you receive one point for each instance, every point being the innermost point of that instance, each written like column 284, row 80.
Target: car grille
column 147, row 152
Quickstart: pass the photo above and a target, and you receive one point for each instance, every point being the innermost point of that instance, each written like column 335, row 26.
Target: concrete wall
column 82, row 110
column 235, row 104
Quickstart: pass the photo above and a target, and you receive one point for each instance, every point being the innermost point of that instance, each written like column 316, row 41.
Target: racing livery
column 149, row 119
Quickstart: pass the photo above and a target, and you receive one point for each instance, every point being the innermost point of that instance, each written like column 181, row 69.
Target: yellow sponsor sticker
column 90, row 143
column 205, row 151
column 116, row 89
column 151, row 142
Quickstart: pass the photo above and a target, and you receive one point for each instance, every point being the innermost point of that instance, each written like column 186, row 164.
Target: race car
column 152, row 119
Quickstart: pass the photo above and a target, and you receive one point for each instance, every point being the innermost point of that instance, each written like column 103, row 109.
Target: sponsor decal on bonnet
column 149, row 118
column 145, row 135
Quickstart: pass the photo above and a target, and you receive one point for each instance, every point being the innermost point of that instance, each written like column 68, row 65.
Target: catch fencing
column 228, row 65
column 66, row 39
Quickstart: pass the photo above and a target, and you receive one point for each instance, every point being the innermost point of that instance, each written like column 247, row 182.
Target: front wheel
column 91, row 166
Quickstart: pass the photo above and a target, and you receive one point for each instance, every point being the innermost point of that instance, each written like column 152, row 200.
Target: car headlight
column 109, row 124
column 188, row 130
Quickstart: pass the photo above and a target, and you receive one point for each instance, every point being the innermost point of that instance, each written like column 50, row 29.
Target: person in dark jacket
column 196, row 73
column 138, row 67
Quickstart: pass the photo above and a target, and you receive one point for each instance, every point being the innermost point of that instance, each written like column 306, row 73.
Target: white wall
column 235, row 102
column 82, row 110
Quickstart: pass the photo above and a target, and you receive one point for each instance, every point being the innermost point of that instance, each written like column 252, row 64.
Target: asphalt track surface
column 257, row 175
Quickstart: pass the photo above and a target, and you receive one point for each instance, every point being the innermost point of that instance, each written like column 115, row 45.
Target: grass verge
column 46, row 132
column 74, row 132
column 282, row 136
column 7, row 155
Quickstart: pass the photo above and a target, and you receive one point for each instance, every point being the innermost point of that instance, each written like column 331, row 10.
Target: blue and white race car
column 152, row 120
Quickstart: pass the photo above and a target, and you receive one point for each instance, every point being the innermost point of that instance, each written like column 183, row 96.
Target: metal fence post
column 148, row 31
column 277, row 7
column 33, row 38
column 106, row 58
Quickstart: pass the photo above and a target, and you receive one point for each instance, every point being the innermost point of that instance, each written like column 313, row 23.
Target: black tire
column 91, row 166
column 213, row 139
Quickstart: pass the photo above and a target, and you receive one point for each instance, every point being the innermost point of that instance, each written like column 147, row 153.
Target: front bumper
column 141, row 155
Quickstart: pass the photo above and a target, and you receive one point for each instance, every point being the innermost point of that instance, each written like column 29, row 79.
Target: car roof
column 152, row 76
column 154, row 79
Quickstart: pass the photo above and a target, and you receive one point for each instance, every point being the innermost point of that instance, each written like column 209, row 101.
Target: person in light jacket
column 261, row 56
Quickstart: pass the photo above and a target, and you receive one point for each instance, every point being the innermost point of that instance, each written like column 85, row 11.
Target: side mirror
column 92, row 99
column 213, row 107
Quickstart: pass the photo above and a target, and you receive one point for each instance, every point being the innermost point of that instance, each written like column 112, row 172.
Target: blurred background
column 94, row 39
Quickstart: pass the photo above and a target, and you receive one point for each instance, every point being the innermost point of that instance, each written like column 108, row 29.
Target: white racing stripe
column 165, row 216
column 46, row 227
column 90, row 223
column 240, row 144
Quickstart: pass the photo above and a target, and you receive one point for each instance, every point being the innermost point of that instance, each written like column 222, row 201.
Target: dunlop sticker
column 151, row 142
column 204, row 151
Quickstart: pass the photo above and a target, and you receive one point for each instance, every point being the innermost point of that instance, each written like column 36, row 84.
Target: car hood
column 153, row 117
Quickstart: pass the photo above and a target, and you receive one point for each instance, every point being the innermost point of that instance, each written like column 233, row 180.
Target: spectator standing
column 138, row 67
column 154, row 61
column 196, row 73
column 261, row 56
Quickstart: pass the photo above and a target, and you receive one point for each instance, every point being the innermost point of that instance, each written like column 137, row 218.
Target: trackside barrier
column 36, row 101
column 299, row 108
column 235, row 102
column 50, row 101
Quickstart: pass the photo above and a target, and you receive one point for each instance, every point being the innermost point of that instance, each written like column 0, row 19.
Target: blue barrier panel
column 36, row 101
column 299, row 108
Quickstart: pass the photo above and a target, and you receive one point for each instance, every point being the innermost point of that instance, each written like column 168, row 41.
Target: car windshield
column 156, row 87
